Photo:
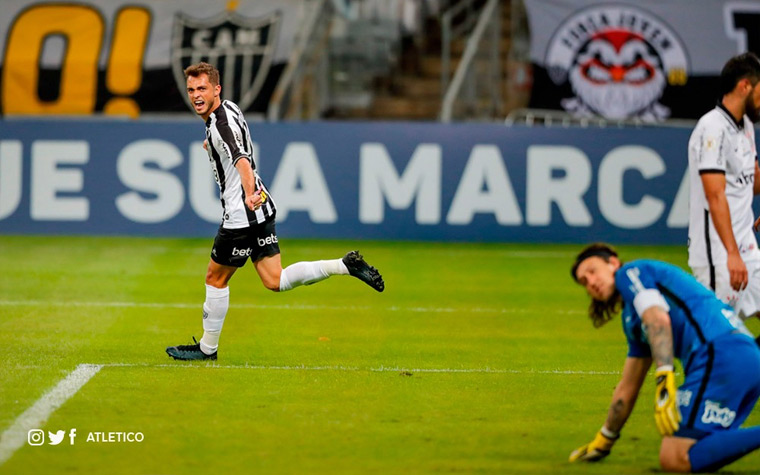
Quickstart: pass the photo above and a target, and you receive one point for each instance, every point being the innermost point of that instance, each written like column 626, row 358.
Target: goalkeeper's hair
column 599, row 311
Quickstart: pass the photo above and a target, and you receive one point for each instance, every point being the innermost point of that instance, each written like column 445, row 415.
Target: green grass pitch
column 476, row 358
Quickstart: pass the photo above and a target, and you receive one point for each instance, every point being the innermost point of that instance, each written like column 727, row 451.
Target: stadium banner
column 643, row 59
column 121, row 58
column 386, row 181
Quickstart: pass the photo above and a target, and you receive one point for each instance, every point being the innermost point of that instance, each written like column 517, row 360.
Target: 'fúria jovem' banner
column 645, row 59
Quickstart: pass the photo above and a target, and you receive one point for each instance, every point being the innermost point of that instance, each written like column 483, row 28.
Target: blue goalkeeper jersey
column 697, row 316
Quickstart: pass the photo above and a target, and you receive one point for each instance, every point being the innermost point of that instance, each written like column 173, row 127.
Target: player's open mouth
column 198, row 104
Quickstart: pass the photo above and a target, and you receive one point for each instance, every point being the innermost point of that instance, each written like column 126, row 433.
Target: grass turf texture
column 329, row 378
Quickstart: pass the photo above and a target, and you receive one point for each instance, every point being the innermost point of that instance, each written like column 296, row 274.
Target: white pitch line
column 35, row 417
column 379, row 369
column 181, row 305
column 490, row 370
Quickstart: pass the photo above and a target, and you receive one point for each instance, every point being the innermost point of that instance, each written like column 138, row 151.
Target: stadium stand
column 397, row 64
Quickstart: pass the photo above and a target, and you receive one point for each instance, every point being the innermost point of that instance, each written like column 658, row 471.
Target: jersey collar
column 738, row 123
column 212, row 114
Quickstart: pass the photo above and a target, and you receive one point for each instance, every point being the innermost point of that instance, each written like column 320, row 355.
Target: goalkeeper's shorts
column 721, row 386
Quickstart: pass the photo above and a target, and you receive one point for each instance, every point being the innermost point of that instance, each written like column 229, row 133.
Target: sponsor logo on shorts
column 271, row 239
column 683, row 398
column 241, row 252
column 714, row 414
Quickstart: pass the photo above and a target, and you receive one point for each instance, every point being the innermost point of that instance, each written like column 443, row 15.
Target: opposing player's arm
column 714, row 184
column 623, row 399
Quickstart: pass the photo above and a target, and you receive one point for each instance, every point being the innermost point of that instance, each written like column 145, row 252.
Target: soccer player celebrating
column 668, row 315
column 248, row 223
column 724, row 177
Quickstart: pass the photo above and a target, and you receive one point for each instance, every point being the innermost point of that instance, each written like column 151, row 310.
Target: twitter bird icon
column 56, row 437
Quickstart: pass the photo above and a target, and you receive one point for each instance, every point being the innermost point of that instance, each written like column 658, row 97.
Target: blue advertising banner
column 395, row 181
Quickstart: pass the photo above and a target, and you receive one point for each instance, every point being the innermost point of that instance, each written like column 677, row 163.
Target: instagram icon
column 36, row 437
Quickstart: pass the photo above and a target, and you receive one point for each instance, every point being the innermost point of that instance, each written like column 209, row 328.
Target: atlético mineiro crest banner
column 635, row 59
column 241, row 48
column 119, row 57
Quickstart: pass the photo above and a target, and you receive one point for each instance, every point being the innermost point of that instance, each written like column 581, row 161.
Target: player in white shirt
column 724, row 177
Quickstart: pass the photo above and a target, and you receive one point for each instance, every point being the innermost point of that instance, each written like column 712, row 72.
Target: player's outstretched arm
column 623, row 400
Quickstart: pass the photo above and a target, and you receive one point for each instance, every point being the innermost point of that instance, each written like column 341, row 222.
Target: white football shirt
column 720, row 144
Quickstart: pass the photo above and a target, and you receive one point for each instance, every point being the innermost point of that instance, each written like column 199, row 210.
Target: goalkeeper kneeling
column 668, row 315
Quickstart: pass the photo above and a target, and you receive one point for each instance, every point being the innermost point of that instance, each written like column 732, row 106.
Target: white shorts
column 746, row 302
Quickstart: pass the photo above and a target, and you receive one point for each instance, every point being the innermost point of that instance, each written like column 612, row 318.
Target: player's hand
column 205, row 145
column 737, row 271
column 756, row 226
column 595, row 450
column 254, row 201
column 666, row 414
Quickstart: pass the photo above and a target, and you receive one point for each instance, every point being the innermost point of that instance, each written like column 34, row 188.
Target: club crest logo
column 618, row 60
column 241, row 48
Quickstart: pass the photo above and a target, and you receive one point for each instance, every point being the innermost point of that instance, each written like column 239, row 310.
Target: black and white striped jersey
column 229, row 140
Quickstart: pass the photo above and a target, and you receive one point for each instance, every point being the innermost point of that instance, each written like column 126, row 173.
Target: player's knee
column 215, row 279
column 674, row 460
column 212, row 279
column 271, row 283
column 270, row 277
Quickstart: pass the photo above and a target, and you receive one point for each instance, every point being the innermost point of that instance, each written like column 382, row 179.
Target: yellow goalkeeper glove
column 666, row 414
column 597, row 449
